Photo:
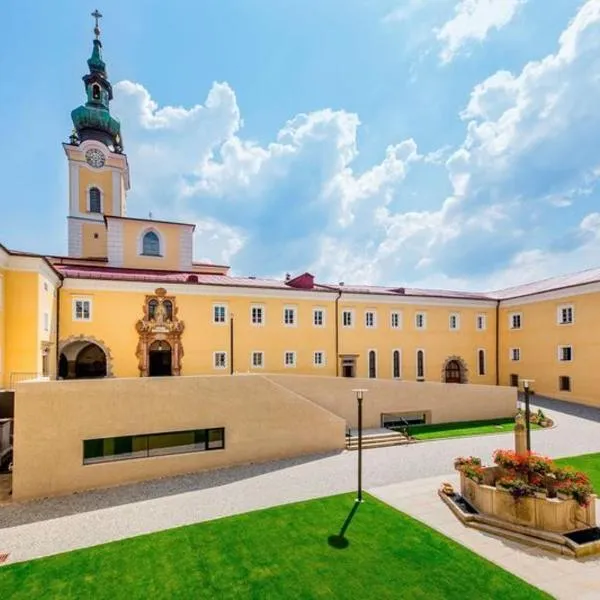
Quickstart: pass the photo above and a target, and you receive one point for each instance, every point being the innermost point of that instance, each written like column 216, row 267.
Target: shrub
column 461, row 461
column 473, row 472
column 540, row 464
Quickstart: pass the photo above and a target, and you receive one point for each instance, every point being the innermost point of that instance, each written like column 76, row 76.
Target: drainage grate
column 3, row 557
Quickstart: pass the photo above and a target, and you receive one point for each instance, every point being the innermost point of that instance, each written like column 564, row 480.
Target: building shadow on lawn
column 21, row 513
column 339, row 540
column 582, row 411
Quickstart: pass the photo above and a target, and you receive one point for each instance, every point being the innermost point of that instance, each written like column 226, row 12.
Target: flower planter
column 540, row 494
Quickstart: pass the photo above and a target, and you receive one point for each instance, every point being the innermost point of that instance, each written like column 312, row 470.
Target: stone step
column 379, row 441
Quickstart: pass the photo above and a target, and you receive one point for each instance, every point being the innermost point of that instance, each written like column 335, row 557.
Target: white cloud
column 474, row 20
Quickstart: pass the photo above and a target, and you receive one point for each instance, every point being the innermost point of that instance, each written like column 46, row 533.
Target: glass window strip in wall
column 153, row 444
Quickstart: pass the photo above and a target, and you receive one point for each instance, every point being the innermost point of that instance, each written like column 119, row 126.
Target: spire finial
column 97, row 15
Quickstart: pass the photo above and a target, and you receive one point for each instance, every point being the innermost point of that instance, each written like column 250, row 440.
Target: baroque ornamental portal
column 159, row 350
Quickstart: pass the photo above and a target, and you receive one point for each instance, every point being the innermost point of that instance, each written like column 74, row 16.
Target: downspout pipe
column 497, row 342
column 59, row 287
column 337, row 334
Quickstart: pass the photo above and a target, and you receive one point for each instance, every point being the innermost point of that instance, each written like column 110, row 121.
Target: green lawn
column 462, row 428
column 276, row 554
column 588, row 463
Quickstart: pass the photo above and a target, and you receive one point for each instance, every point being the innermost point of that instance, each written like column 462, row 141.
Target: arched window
column 396, row 364
column 152, row 308
column 151, row 244
column 96, row 92
column 168, row 309
column 372, row 364
column 420, row 364
column 481, row 361
column 95, row 200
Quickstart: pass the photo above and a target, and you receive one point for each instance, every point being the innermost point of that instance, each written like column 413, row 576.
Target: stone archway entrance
column 159, row 350
column 160, row 358
column 455, row 370
column 83, row 358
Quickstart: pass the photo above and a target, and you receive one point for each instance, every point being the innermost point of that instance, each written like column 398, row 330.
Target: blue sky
column 439, row 143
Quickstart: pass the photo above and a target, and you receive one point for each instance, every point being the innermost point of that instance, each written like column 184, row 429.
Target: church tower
column 98, row 169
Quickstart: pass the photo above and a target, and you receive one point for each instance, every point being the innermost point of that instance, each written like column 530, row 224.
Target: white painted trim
column 483, row 317
column 457, row 317
column 118, row 204
column 570, row 292
column 510, row 321
column 186, row 248
column 162, row 246
column 323, row 311
column 114, row 243
column 424, row 321
column 399, row 350
column 262, row 354
column 219, row 368
column 4, row 258
column 374, row 313
column 293, row 365
column 417, row 376
column 484, row 362
column 415, row 300
column 369, row 350
column 194, row 290
column 323, row 362
column 351, row 311
column 74, row 300
column 559, row 310
column 510, row 354
column 559, row 353
column 74, row 188
column 295, row 313
column 221, row 305
column 263, row 313
column 400, row 317
column 33, row 264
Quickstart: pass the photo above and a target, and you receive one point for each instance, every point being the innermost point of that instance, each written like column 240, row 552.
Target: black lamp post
column 359, row 399
column 526, row 383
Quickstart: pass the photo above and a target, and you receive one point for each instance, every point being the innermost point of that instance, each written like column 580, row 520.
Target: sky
column 429, row 143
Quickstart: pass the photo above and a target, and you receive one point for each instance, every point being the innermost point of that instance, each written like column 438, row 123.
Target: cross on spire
column 97, row 15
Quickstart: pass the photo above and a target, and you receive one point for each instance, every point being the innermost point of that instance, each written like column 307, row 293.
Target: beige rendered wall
column 263, row 421
column 446, row 402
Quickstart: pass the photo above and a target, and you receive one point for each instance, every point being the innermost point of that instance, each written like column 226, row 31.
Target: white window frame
column 373, row 314
column 511, row 352
column 479, row 373
column 457, row 321
column 424, row 315
column 559, row 314
column 323, row 359
column 483, row 318
column 417, row 376
column 214, row 307
column 511, row 320
column 560, row 353
column 319, row 309
column 260, row 307
column 294, row 310
column 162, row 248
column 398, row 315
column 285, row 363
column 219, row 367
column 88, row 199
column 262, row 359
column 399, row 351
column 74, row 309
column 349, row 311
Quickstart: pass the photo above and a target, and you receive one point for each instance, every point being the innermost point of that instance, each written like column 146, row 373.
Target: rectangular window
column 514, row 320
column 566, row 315
column 454, row 322
column 219, row 313
column 481, row 362
column 318, row 317
column 514, row 380
column 395, row 321
column 565, row 353
column 258, row 360
column 319, row 359
column 220, row 361
column 515, row 354
column 82, row 310
column 480, row 323
column 46, row 321
column 347, row 318
column 154, row 444
column 289, row 316
column 420, row 320
column 370, row 320
column 289, row 359
column 257, row 315
column 564, row 383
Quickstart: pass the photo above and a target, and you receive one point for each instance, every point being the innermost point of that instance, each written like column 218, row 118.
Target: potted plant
column 466, row 460
column 473, row 472
column 537, row 485
column 540, row 465
column 563, row 491
column 581, row 492
column 507, row 459
column 516, row 487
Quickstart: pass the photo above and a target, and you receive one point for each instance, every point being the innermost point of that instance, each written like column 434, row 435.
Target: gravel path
column 34, row 529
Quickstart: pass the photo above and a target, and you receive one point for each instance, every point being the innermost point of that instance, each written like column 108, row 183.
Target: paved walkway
column 34, row 529
column 562, row 577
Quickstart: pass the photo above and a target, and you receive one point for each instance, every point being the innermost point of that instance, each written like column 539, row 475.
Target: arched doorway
column 63, row 367
column 453, row 372
column 159, row 359
column 90, row 362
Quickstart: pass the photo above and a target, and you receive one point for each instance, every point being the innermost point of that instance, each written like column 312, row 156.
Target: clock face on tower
column 94, row 158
